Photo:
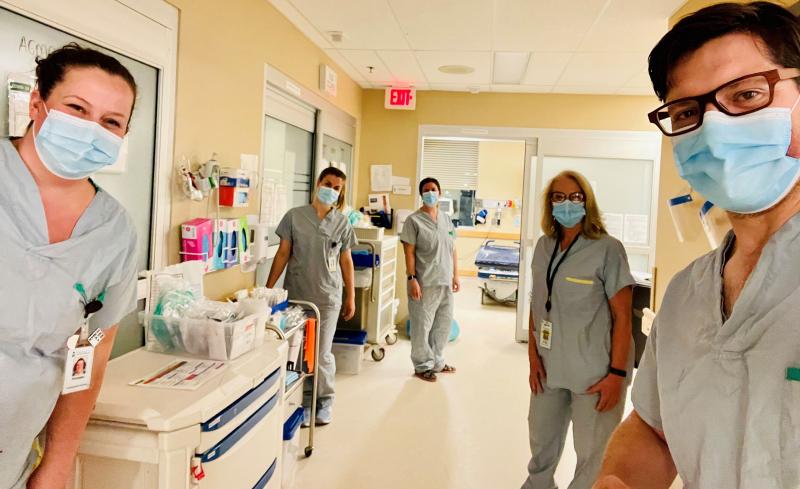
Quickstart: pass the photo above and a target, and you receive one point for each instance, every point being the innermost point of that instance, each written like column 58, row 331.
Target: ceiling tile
column 602, row 69
column 459, row 88
column 546, row 68
column 522, row 88
column 585, row 90
column 345, row 65
column 366, row 24
column 404, row 67
column 539, row 25
column 636, row 91
column 448, row 25
column 642, row 28
column 301, row 22
column 362, row 60
column 481, row 62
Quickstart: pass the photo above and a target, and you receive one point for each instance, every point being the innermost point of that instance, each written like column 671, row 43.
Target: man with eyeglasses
column 717, row 395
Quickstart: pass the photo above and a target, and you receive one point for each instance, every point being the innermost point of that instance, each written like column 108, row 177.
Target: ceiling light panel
column 509, row 68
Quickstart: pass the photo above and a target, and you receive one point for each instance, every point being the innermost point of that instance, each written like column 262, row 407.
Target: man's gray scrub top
column 722, row 390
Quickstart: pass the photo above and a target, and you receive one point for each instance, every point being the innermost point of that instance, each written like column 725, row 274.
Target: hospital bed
column 498, row 271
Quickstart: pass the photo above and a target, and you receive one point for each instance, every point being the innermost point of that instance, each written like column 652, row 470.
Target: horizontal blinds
column 453, row 162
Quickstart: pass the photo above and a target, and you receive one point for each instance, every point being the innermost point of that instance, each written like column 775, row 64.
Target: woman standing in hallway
column 69, row 249
column 580, row 334
column 315, row 243
column 432, row 267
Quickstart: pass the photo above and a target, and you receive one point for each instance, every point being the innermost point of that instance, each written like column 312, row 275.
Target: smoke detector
column 336, row 36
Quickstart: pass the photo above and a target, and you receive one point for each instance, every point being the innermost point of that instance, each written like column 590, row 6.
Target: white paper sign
column 636, row 229
column 401, row 189
column 400, row 181
column 615, row 223
column 182, row 375
column 381, row 178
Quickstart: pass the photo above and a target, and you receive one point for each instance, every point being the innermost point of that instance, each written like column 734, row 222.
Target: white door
column 530, row 232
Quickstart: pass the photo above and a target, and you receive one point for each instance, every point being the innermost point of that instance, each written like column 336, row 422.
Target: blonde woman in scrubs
column 66, row 243
column 580, row 334
column 315, row 245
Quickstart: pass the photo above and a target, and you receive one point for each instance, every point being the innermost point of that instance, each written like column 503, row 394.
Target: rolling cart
column 298, row 384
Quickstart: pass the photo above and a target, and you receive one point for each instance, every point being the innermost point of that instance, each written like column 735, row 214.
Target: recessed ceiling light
column 456, row 69
column 510, row 68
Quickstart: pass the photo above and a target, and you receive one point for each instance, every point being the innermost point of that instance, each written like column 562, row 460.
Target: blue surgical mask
column 740, row 163
column 74, row 148
column 568, row 213
column 327, row 195
column 431, row 198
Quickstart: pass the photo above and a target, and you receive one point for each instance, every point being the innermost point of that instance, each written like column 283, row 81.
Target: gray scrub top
column 434, row 243
column 592, row 272
column 719, row 389
column 313, row 241
column 41, row 309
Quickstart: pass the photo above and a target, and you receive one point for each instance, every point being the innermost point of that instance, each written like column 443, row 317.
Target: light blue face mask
column 74, row 148
column 430, row 199
column 327, row 195
column 568, row 213
column 740, row 163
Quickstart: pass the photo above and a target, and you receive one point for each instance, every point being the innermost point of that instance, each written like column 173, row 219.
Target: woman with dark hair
column 315, row 244
column 432, row 266
column 66, row 243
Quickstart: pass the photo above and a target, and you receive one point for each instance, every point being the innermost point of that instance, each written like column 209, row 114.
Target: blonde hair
column 593, row 227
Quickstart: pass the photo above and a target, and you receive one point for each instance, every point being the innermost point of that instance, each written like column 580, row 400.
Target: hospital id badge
column 78, row 366
column 546, row 334
column 331, row 262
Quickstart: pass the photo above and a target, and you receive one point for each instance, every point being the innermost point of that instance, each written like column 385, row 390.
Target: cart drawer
column 267, row 477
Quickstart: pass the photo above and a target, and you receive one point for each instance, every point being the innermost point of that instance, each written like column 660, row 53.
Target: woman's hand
column 456, row 284
column 609, row 389
column 349, row 309
column 538, row 375
column 414, row 290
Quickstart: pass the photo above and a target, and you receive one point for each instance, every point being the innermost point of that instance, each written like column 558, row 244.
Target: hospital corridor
column 400, row 244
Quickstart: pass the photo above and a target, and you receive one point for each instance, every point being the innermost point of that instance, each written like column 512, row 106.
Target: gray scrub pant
column 431, row 318
column 548, row 420
column 326, row 363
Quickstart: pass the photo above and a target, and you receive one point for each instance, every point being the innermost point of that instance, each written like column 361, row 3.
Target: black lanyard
column 551, row 272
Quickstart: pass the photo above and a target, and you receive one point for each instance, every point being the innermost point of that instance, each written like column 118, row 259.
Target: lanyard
column 89, row 308
column 551, row 272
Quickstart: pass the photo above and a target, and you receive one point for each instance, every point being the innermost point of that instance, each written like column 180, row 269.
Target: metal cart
column 298, row 384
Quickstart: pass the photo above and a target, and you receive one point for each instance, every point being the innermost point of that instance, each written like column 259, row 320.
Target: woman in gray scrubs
column 580, row 334
column 315, row 243
column 432, row 265
column 68, row 248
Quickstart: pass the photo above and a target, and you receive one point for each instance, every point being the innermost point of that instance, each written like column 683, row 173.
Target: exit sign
column 400, row 98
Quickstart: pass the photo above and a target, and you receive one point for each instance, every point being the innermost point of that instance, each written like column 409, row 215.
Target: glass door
column 339, row 154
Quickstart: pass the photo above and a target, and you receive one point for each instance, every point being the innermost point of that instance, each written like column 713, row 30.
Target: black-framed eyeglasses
column 559, row 197
column 742, row 96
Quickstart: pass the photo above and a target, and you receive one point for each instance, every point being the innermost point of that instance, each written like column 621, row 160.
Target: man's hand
column 610, row 389
column 349, row 309
column 415, row 291
column 538, row 375
column 610, row 482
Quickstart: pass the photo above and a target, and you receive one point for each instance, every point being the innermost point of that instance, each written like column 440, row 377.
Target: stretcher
column 498, row 272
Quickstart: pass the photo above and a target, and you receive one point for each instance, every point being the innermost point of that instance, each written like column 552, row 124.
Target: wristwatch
column 412, row 277
column 616, row 371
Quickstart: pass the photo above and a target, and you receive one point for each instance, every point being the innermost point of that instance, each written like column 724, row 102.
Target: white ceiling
column 575, row 46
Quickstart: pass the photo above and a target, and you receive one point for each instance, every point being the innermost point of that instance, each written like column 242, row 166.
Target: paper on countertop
column 381, row 178
column 182, row 375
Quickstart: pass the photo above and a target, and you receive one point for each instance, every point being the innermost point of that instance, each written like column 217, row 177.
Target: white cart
column 226, row 434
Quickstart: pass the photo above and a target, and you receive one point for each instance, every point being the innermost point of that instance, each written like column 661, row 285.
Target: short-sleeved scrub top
column 434, row 242
column 314, row 243
column 724, row 391
column 41, row 308
column 592, row 272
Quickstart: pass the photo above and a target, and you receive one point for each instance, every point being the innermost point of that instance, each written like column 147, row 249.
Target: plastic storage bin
column 291, row 448
column 348, row 348
column 202, row 338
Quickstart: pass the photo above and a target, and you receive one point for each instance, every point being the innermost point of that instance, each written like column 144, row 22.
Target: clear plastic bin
column 202, row 338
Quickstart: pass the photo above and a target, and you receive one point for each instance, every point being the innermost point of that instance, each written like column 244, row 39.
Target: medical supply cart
column 227, row 433
column 375, row 261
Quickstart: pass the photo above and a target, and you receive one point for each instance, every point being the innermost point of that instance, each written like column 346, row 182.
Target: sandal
column 448, row 369
column 427, row 376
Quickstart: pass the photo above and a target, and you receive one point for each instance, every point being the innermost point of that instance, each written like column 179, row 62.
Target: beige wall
column 222, row 50
column 392, row 136
column 671, row 256
column 501, row 169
